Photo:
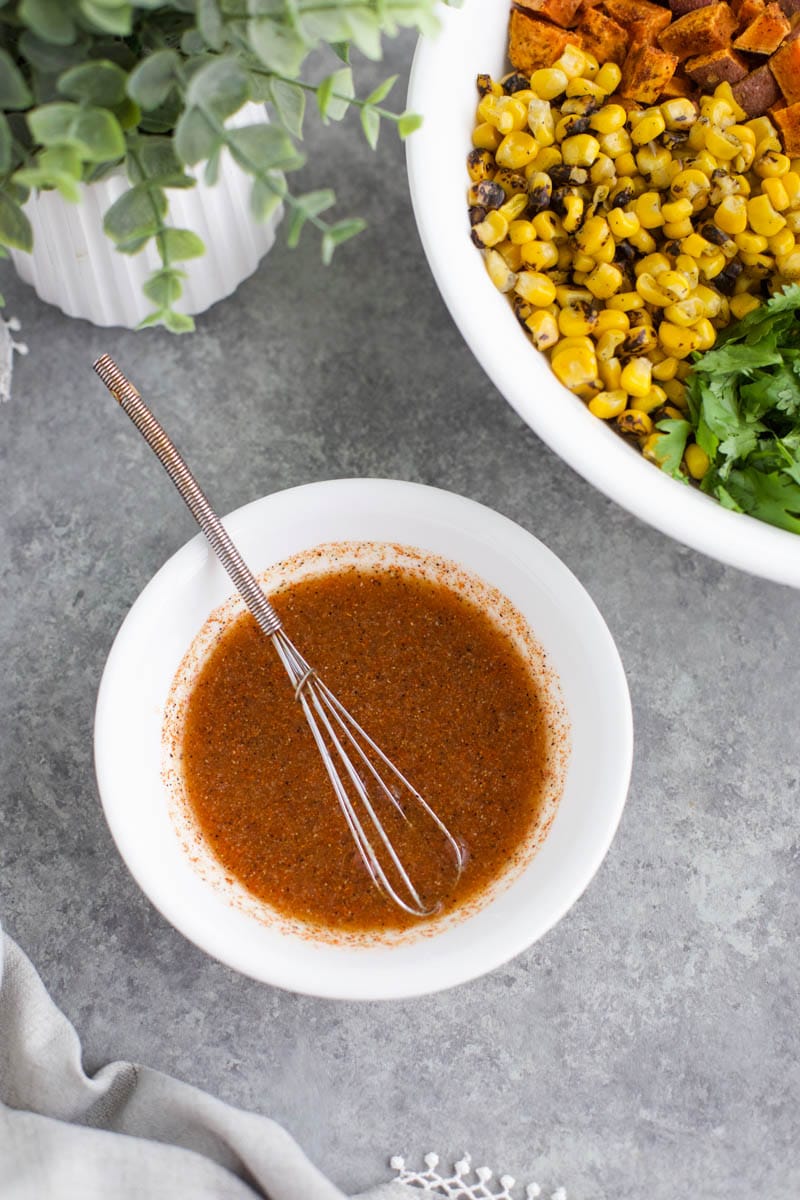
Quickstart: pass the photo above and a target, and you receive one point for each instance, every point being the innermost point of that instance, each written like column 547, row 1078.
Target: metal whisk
column 336, row 732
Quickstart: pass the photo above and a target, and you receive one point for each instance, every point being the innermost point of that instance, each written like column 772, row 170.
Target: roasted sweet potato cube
column 700, row 32
column 788, row 122
column 678, row 85
column 765, row 33
column 747, row 11
column 757, row 91
column 646, row 72
column 650, row 18
column 533, row 43
column 603, row 37
column 785, row 66
column 681, row 7
column 560, row 12
column 723, row 66
column 790, row 6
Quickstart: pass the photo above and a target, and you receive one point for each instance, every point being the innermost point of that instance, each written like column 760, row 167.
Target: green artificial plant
column 90, row 85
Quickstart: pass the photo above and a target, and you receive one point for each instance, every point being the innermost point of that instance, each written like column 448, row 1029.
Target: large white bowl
column 472, row 39
column 175, row 605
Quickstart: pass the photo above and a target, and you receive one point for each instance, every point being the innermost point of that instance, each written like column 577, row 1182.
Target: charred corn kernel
column 547, row 226
column 778, row 196
column 591, row 65
column 604, row 281
column 676, row 391
column 543, row 329
column 674, row 284
column 575, row 368
column 723, row 91
column 625, row 301
column 511, row 255
column 654, row 399
column 771, row 163
column 690, row 184
column 540, row 190
column 536, row 288
column 731, row 215
column 511, row 114
column 679, row 114
column 492, row 229
column 603, row 170
column 615, row 144
column 541, row 121
column 608, row 77
column 611, row 319
column 652, row 157
column 581, row 150
column 576, row 320
column 572, row 62
column 709, row 298
column 585, row 87
column 609, row 342
column 789, row 264
column 573, row 212
column 487, row 108
column 608, row 119
column 711, row 264
column 724, row 146
column 622, row 224
column 761, row 128
column 565, row 258
column 665, row 369
column 521, row 232
column 705, row 333
column 636, row 377
column 743, row 304
column 781, row 243
column 574, row 343
column 515, row 206
column 676, row 210
column 634, row 423
column 793, row 221
column 648, row 290
column 642, row 241
column 689, row 270
column 675, row 230
column 582, row 262
column 486, row 84
column 762, row 216
column 593, row 235
column 648, row 210
column 548, row 82
column 517, row 150
column 751, row 243
column 684, row 370
column 791, row 183
column 648, row 127
column 640, row 340
column 650, row 448
column 499, row 271
column 608, row 405
column 486, row 137
column 539, row 255
column 566, row 294
column 547, row 158
column 697, row 461
column 480, row 165
column 744, row 133
column 606, row 252
column 677, row 341
column 610, row 372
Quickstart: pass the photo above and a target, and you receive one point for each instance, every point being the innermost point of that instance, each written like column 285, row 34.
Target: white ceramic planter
column 74, row 265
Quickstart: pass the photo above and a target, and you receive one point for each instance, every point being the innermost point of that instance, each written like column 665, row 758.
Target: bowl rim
column 581, row 440
column 111, row 717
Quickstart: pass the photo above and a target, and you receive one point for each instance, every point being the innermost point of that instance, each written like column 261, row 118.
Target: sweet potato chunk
column 533, row 44
column 650, row 18
column 560, row 12
column 757, row 91
column 678, row 85
column 746, row 11
column 646, row 72
column 700, row 32
column 681, row 7
column 788, row 122
column 765, row 33
column 603, row 37
column 785, row 66
column 723, row 66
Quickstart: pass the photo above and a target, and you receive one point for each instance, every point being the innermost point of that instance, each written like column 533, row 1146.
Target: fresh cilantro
column 744, row 412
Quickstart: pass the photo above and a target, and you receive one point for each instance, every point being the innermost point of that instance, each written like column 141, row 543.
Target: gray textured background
column 648, row 1046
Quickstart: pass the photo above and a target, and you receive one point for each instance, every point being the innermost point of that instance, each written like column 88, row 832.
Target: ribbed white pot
column 74, row 265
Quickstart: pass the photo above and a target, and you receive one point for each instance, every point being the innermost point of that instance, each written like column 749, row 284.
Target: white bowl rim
column 567, row 428
column 110, row 718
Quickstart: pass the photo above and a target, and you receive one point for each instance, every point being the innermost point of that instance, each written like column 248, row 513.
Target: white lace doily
column 467, row 1182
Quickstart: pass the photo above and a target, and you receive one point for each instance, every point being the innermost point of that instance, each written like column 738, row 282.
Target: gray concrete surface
column 647, row 1047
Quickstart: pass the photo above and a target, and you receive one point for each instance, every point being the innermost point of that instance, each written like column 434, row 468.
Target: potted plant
column 121, row 121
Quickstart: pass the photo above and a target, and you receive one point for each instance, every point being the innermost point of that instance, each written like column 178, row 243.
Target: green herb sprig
column 88, row 85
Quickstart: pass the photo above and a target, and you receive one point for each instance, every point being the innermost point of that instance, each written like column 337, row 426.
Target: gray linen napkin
column 127, row 1132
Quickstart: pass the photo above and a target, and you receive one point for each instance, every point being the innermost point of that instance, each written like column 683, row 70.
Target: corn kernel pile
column 626, row 237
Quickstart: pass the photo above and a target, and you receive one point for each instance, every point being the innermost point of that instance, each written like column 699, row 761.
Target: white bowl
column 472, row 39
column 175, row 605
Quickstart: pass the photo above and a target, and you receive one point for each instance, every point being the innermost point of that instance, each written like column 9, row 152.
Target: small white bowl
column 471, row 40
column 174, row 606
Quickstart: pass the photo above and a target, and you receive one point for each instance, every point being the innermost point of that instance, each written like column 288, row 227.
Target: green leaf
column 151, row 82
column 341, row 232
column 6, row 143
column 164, row 287
column 290, row 105
column 101, row 83
column 48, row 58
column 365, row 30
column 94, row 132
column 342, row 51
column 178, row 322
column 334, row 94
column 210, row 23
column 136, row 214
column 59, row 167
column 773, row 497
column 267, row 194
column 371, row 124
column 305, row 207
column 263, row 147
column 280, row 49
column 408, row 123
column 220, row 88
column 381, row 91
column 116, row 19
column 671, row 445
column 15, row 228
column 154, row 158
column 48, row 19
column 195, row 138
column 182, row 244
column 14, row 91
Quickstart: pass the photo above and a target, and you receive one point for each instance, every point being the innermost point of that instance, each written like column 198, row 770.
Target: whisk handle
column 170, row 458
